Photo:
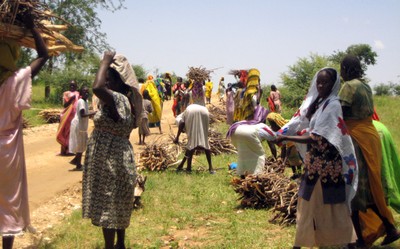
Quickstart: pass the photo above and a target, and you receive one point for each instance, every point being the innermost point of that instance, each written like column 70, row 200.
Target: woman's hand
column 108, row 57
column 279, row 139
column 176, row 140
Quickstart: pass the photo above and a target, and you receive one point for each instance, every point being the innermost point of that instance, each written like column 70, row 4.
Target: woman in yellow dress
column 155, row 116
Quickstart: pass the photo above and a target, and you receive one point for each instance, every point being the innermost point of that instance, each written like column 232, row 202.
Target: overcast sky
column 172, row 35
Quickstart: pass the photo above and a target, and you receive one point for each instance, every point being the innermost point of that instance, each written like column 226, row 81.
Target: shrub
column 382, row 89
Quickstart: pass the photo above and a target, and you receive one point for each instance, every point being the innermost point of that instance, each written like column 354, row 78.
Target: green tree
column 297, row 79
column 140, row 71
column 364, row 52
column 383, row 89
column 83, row 29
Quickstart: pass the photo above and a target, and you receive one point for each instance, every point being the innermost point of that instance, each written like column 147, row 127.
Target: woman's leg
column 357, row 227
column 189, row 160
column 120, row 239
column 78, row 157
column 183, row 161
column 208, row 156
column 8, row 242
column 109, row 236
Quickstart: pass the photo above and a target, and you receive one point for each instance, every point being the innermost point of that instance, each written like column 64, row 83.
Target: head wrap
column 327, row 122
column 277, row 118
column 9, row 51
column 128, row 76
column 150, row 77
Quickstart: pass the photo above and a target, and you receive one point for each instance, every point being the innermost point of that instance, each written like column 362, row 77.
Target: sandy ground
column 54, row 190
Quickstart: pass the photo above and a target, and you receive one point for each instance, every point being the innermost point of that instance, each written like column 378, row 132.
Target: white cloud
column 378, row 44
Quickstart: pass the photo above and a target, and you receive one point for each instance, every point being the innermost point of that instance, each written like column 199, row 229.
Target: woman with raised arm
column 109, row 170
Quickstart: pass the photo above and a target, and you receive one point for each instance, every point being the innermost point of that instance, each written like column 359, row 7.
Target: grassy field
column 199, row 210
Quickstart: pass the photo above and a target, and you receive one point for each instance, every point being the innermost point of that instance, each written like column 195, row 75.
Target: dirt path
column 54, row 190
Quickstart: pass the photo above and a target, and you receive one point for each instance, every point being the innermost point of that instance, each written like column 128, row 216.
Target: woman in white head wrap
column 330, row 179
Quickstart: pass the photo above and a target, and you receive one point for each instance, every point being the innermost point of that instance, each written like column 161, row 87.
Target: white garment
column 247, row 140
column 196, row 118
column 78, row 135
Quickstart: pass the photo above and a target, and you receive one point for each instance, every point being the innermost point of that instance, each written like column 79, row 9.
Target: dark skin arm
column 272, row 148
column 99, row 85
column 41, row 48
column 180, row 129
column 83, row 114
column 70, row 101
column 346, row 111
column 297, row 139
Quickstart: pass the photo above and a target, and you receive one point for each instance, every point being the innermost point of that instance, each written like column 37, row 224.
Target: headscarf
column 9, row 51
column 128, row 76
column 327, row 122
column 277, row 118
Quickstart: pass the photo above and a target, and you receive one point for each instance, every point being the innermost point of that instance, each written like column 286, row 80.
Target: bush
column 396, row 90
column 382, row 89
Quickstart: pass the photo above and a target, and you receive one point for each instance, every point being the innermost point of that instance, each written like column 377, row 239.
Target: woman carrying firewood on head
column 330, row 176
column 15, row 96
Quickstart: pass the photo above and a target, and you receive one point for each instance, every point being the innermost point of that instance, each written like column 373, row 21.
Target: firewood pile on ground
column 270, row 189
column 50, row 115
column 158, row 157
column 217, row 114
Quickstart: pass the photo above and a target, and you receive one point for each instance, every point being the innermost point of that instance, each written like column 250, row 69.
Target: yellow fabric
column 253, row 80
column 372, row 226
column 209, row 87
column 9, row 51
column 237, row 108
column 366, row 136
column 151, row 87
column 277, row 118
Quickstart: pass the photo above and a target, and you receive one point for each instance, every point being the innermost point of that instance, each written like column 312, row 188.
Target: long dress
column 196, row 118
column 79, row 129
column 66, row 117
column 109, row 171
column 156, row 102
column 230, row 105
column 15, row 96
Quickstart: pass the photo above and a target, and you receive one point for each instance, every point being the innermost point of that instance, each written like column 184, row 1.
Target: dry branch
column 270, row 189
column 12, row 27
column 158, row 157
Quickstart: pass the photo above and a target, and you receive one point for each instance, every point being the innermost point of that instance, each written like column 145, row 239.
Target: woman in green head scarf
column 15, row 96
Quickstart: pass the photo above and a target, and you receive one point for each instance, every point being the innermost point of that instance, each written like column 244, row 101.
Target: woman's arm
column 41, row 48
column 100, row 88
column 272, row 148
column 297, row 139
column 180, row 129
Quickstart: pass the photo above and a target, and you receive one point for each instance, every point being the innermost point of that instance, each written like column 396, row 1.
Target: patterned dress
column 109, row 170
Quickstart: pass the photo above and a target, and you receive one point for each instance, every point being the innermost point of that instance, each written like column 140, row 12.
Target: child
column 289, row 152
column 79, row 128
column 144, row 129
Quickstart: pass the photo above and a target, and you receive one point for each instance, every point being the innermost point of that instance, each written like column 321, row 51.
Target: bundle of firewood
column 269, row 189
column 51, row 115
column 217, row 115
column 25, row 123
column 12, row 26
column 158, row 157
column 198, row 73
column 219, row 144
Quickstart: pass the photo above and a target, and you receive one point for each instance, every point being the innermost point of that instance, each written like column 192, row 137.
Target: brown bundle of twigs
column 217, row 115
column 158, row 157
column 12, row 26
column 51, row 115
column 25, row 123
column 198, row 74
column 219, row 144
column 285, row 209
column 270, row 189
column 274, row 166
